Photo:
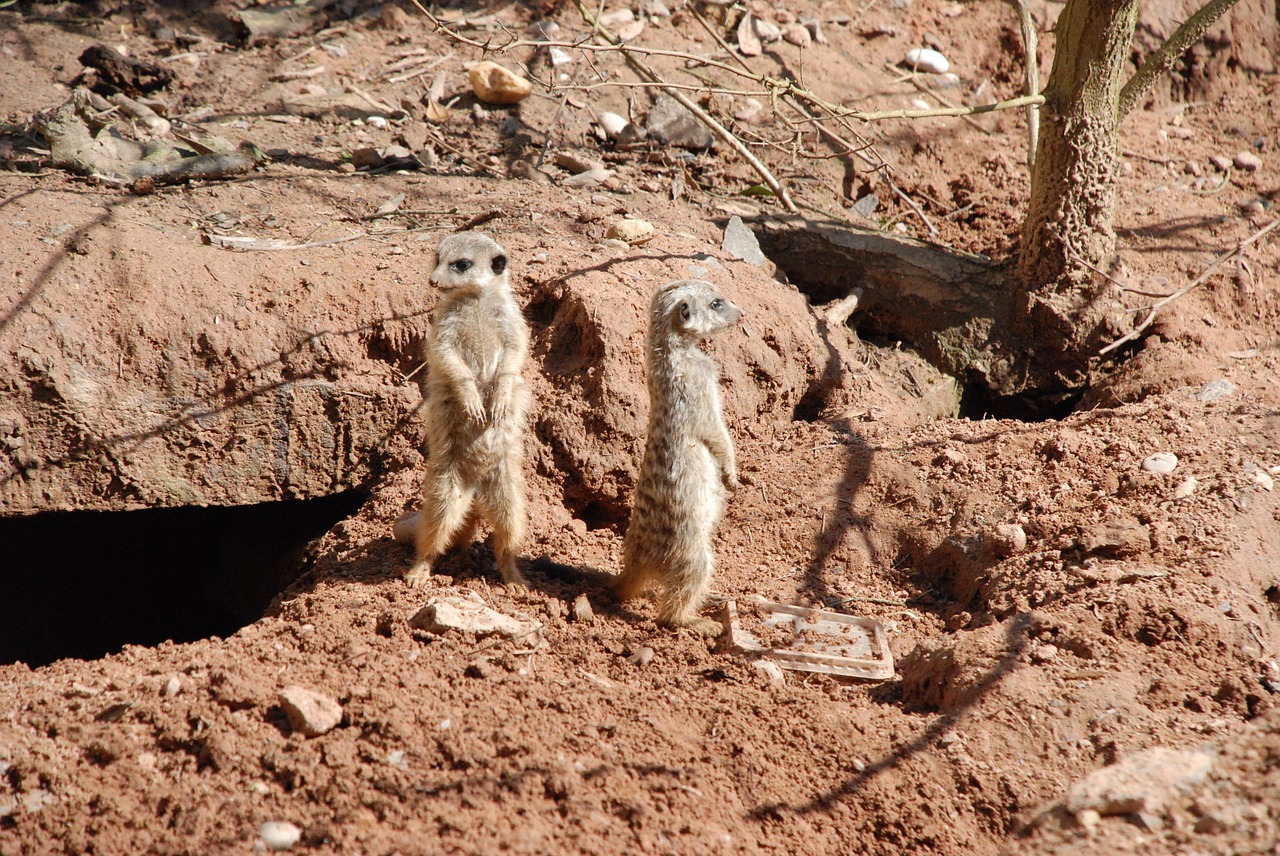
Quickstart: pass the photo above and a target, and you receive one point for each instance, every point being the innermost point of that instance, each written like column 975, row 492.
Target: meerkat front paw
column 473, row 406
column 731, row 481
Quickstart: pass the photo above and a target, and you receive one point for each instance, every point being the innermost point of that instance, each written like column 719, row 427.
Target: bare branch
column 1204, row 275
column 1168, row 53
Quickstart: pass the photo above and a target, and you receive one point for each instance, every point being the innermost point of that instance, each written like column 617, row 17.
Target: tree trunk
column 1068, row 229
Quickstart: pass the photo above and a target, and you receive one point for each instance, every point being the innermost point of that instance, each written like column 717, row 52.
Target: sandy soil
column 1143, row 610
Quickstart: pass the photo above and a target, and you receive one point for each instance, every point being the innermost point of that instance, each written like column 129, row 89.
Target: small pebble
column 1220, row 163
column 1161, row 463
column 279, row 834
column 927, row 59
column 1215, row 389
column 494, row 84
column 1009, row 539
column 1044, row 653
column 642, row 656
column 1247, row 161
column 590, row 178
column 1185, row 488
column 582, row 611
column 1088, row 819
column 172, row 687
column 797, row 34
column 631, row 231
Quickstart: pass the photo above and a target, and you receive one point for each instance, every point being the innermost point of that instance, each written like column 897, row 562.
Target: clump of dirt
column 1053, row 601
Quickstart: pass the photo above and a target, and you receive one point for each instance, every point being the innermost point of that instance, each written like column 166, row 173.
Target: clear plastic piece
column 808, row 640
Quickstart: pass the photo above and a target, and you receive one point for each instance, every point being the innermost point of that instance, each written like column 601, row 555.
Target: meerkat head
column 692, row 309
column 470, row 260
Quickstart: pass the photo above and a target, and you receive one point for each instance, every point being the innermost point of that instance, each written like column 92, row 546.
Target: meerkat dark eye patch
column 684, row 311
column 460, row 266
column 499, row 264
column 717, row 305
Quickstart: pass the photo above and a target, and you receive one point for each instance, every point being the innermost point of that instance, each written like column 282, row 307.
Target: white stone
column 926, row 59
column 1143, row 782
column 612, row 123
column 310, row 712
column 1161, row 463
column 279, row 834
column 1185, row 488
column 466, row 616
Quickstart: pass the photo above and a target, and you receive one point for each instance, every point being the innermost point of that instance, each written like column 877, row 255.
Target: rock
column 927, row 59
column 576, row 162
column 672, row 125
column 797, row 34
column 1008, row 539
column 740, row 242
column 866, row 206
column 526, row 171
column 1260, row 476
column 767, row 31
column 772, row 671
column 279, row 834
column 405, row 529
column 1215, row 389
column 172, row 687
column 617, row 18
column 1161, row 463
column 1185, row 488
column 494, row 84
column 582, row 611
column 611, row 123
column 590, row 178
column 631, row 231
column 366, row 157
column 749, row 110
column 814, row 25
column 466, row 616
column 1143, row 782
column 1220, row 163
column 1247, row 161
column 1088, row 819
column 1117, row 538
column 1046, row 653
column 641, row 657
column 309, row 712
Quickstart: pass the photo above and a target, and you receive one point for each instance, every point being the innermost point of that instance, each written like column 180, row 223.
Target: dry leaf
column 436, row 112
column 748, row 41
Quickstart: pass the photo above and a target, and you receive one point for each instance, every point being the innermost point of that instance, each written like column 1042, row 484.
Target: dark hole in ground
column 82, row 584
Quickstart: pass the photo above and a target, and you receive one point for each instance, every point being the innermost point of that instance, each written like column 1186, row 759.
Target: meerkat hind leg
column 503, row 502
column 446, row 508
column 683, row 595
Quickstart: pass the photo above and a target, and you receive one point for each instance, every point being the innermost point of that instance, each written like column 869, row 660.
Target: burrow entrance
column 83, row 584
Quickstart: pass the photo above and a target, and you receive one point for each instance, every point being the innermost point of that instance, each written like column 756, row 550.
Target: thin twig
column 705, row 118
column 1165, row 301
column 1031, row 75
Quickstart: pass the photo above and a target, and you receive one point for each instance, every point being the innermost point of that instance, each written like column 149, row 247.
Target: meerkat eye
column 460, row 266
column 717, row 305
column 499, row 264
column 684, row 311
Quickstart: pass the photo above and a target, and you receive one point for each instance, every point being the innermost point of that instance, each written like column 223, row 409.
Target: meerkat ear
column 684, row 310
column 499, row 264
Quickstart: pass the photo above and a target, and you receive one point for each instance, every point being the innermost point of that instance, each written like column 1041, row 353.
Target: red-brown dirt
column 140, row 367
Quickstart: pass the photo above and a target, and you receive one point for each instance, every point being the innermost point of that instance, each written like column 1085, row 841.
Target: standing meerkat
column 688, row 459
column 476, row 403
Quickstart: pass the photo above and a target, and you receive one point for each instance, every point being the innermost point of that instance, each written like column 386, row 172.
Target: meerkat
column 475, row 407
column 688, row 457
